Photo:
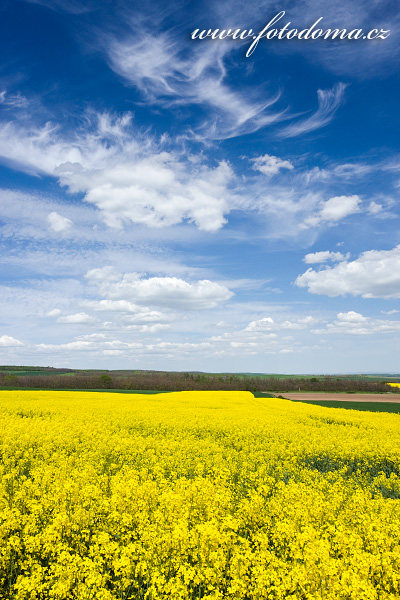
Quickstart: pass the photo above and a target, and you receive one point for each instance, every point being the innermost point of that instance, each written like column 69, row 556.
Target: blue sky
column 175, row 203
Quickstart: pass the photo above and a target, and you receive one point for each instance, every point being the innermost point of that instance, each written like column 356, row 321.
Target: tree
column 106, row 382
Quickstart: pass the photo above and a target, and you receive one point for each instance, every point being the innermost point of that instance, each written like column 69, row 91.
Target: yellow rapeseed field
column 394, row 384
column 196, row 495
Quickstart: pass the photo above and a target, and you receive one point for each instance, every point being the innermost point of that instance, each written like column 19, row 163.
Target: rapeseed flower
column 213, row 495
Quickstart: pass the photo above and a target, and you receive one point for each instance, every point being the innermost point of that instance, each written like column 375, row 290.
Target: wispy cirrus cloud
column 167, row 74
column 328, row 103
column 341, row 172
column 97, row 140
column 363, row 60
column 75, row 7
column 13, row 100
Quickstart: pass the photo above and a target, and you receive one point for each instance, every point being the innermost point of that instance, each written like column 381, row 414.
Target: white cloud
column 132, row 314
column 346, row 171
column 266, row 335
column 374, row 208
column 159, row 192
column 328, row 103
column 364, row 59
column 55, row 312
column 333, row 210
column 258, row 337
column 115, row 347
column 39, row 150
column 155, row 328
column 339, row 207
column 270, row 165
column 167, row 74
column 13, row 100
column 375, row 274
column 361, row 59
column 124, row 175
column 77, row 345
column 103, row 275
column 76, row 318
column 7, row 341
column 349, row 172
column 129, row 179
column 75, row 7
column 352, row 170
column 58, row 223
column 169, row 292
column 223, row 325
column 351, row 317
column 323, row 256
column 268, row 324
column 354, row 323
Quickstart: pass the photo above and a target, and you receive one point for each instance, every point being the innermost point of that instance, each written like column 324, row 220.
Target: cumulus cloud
column 267, row 335
column 134, row 316
column 354, row 323
column 268, row 324
column 159, row 192
column 6, row 341
column 124, row 175
column 324, row 256
column 333, row 210
column 375, row 274
column 328, row 103
column 108, row 346
column 169, row 292
column 270, row 165
column 58, row 223
column 351, row 317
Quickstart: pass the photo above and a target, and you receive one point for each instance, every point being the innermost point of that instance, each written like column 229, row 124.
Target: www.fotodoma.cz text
column 285, row 33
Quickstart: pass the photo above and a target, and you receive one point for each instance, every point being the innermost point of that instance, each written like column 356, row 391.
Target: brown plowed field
column 341, row 397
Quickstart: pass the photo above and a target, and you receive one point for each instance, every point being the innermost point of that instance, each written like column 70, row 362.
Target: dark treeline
column 166, row 381
column 18, row 368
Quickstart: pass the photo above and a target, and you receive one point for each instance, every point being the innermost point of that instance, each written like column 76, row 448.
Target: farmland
column 196, row 495
column 370, row 402
column 19, row 377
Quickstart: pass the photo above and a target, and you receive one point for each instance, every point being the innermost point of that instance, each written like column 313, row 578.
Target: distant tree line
column 172, row 381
